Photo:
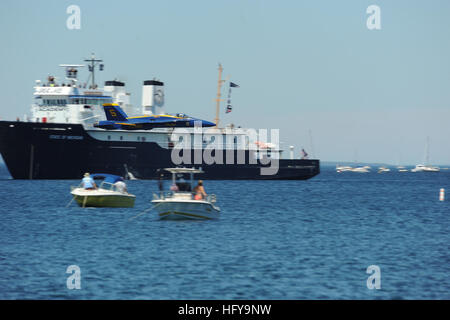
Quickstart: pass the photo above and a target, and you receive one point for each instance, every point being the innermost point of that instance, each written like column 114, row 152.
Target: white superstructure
column 152, row 97
column 72, row 101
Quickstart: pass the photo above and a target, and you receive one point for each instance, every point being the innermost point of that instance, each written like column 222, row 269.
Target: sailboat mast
column 427, row 151
column 219, row 86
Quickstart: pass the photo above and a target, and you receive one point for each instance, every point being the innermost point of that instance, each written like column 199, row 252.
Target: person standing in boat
column 161, row 182
column 199, row 191
column 88, row 183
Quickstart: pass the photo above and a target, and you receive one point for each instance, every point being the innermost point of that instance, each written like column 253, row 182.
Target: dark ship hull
column 65, row 151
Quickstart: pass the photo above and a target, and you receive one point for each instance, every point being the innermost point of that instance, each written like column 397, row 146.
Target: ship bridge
column 61, row 103
column 71, row 101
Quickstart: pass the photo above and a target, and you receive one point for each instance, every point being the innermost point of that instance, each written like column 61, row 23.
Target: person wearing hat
column 88, row 183
column 199, row 191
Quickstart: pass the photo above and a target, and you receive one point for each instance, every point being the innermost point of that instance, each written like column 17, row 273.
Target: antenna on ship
column 219, row 86
column 92, row 64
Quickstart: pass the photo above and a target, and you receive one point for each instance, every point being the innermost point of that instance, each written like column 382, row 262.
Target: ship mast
column 92, row 63
column 219, row 86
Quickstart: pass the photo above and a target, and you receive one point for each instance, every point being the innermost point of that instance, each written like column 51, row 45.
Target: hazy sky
column 310, row 68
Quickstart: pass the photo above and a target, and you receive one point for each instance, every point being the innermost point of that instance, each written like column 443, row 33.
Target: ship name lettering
column 51, row 108
column 62, row 137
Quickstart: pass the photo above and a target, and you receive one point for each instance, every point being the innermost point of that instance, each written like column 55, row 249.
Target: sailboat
column 363, row 169
column 426, row 167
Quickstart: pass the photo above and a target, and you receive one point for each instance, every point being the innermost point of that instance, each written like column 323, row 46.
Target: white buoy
column 441, row 194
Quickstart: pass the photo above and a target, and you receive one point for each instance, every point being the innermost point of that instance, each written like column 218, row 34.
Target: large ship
column 60, row 139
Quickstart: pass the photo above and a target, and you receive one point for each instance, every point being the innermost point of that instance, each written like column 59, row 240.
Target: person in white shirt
column 121, row 186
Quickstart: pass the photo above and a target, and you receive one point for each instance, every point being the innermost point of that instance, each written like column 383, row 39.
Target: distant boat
column 383, row 169
column 426, row 167
column 361, row 169
column 343, row 168
column 364, row 169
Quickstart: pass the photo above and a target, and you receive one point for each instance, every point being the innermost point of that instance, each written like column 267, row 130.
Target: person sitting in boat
column 121, row 186
column 174, row 187
column 88, row 183
column 199, row 191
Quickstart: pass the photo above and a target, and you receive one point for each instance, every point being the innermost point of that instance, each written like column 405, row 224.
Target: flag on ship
column 229, row 107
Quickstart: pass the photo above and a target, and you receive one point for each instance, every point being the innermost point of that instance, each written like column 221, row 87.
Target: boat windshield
column 181, row 183
column 108, row 186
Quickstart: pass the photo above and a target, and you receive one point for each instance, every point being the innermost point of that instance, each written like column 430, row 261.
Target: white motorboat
column 343, row 168
column 383, row 169
column 361, row 169
column 106, row 195
column 181, row 203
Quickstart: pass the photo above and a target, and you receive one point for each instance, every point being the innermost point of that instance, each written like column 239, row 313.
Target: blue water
column 275, row 240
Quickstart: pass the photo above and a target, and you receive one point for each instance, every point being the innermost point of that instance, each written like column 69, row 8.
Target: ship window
column 109, row 137
column 143, row 138
column 121, row 138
